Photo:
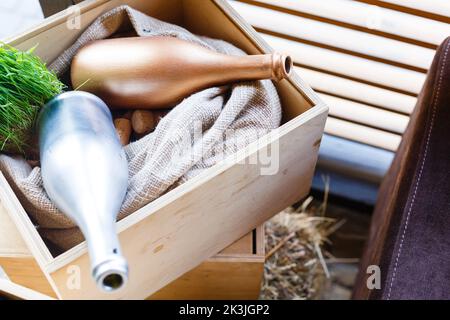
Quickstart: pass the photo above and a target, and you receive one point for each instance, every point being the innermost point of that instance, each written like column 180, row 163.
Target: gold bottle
column 158, row 72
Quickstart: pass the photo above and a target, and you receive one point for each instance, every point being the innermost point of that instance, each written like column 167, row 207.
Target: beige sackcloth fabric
column 228, row 118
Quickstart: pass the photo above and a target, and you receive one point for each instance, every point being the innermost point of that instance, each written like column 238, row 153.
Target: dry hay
column 295, row 266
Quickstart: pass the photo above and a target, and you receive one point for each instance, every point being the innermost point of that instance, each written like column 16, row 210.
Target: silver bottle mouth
column 111, row 275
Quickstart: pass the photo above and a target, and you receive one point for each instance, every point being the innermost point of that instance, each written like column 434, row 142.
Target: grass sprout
column 25, row 86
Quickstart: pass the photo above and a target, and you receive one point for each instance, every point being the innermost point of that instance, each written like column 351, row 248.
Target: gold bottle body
column 158, row 72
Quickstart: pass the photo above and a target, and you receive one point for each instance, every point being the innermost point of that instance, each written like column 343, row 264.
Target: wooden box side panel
column 16, row 259
column 234, row 273
column 11, row 241
column 168, row 237
column 26, row 272
column 216, row 280
column 14, row 291
column 12, row 210
column 242, row 246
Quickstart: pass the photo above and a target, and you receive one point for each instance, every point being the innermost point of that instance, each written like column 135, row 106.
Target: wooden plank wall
column 367, row 59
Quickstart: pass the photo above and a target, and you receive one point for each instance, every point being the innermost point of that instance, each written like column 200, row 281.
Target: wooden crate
column 196, row 220
column 234, row 273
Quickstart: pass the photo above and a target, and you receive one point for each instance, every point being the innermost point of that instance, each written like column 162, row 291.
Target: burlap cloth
column 227, row 118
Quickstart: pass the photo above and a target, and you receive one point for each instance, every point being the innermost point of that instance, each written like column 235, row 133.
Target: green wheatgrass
column 25, row 86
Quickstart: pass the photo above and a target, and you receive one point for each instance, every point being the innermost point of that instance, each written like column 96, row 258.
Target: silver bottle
column 85, row 174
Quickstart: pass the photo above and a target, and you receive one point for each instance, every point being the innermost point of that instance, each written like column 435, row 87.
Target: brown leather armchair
column 410, row 233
